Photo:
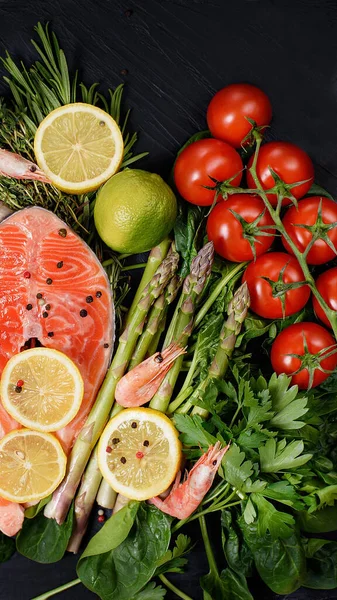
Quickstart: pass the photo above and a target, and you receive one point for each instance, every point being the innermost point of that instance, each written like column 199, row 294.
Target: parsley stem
column 174, row 589
column 214, row 508
column 209, row 552
column 58, row 590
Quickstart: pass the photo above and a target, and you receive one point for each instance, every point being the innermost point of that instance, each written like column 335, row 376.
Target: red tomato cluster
column 242, row 229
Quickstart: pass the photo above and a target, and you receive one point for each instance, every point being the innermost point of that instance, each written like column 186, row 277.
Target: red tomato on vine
column 202, row 162
column 228, row 111
column 314, row 217
column 289, row 162
column 326, row 284
column 274, row 285
column 240, row 228
column 307, row 352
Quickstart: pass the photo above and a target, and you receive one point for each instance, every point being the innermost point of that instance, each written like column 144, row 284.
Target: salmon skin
column 53, row 288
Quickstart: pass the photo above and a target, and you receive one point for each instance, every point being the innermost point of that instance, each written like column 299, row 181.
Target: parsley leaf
column 193, row 431
column 150, row 592
column 173, row 561
column 279, row 456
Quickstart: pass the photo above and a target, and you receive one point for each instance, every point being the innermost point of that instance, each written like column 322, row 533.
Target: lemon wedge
column 32, row 465
column 139, row 453
column 42, row 389
column 79, row 147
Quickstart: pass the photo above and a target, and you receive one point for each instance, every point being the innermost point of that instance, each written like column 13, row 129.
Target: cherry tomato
column 292, row 340
column 200, row 161
column 228, row 109
column 326, row 284
column 233, row 239
column 307, row 214
column 290, row 163
column 264, row 299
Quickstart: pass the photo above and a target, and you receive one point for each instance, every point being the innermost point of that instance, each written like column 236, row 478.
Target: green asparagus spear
column 85, row 499
column 237, row 311
column 156, row 317
column 193, row 286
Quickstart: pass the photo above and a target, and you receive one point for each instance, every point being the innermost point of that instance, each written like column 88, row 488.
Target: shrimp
column 14, row 165
column 140, row 384
column 185, row 497
column 11, row 517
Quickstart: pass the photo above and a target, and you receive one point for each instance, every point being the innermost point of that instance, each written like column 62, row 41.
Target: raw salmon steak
column 53, row 288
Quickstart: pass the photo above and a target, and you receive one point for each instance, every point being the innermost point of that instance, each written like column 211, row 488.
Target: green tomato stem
column 275, row 214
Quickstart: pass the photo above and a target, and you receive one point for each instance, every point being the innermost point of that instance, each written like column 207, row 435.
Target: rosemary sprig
column 34, row 93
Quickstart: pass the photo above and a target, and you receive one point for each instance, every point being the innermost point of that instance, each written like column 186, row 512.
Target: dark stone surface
column 173, row 55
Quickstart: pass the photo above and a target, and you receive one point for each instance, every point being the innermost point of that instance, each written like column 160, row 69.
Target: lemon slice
column 139, row 453
column 78, row 146
column 42, row 389
column 32, row 465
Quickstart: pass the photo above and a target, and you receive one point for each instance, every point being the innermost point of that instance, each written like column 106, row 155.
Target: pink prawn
column 140, row 384
column 14, row 165
column 185, row 497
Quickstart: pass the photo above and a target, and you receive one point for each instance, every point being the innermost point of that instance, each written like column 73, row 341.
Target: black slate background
column 177, row 53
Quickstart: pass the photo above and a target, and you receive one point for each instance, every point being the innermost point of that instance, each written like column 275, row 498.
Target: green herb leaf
column 279, row 456
column 123, row 571
column 43, row 540
column 150, row 592
column 287, row 406
column 193, row 431
column 284, row 492
column 279, row 524
column 320, row 521
column 327, row 495
column 173, row 561
column 7, row 547
column 237, row 469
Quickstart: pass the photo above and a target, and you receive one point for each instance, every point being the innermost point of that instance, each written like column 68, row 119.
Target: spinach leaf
column 186, row 228
column 237, row 553
column 114, row 532
column 43, row 540
column 32, row 511
column 279, row 562
column 317, row 190
column 200, row 135
column 320, row 521
column 229, row 585
column 123, row 571
column 321, row 565
column 235, row 585
column 7, row 547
